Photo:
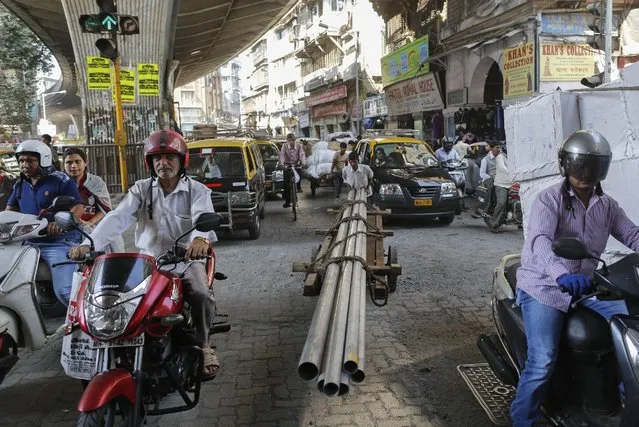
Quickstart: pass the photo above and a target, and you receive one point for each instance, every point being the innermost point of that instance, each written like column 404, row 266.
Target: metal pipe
column 351, row 349
column 311, row 358
column 359, row 375
column 340, row 315
column 344, row 384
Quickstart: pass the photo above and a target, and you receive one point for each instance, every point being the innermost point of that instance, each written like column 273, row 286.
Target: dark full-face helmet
column 586, row 156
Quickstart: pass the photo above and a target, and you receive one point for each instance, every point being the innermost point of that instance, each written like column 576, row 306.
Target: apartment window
column 280, row 34
column 337, row 5
column 188, row 97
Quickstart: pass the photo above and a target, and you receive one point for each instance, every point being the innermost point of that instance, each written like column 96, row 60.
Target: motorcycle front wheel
column 108, row 415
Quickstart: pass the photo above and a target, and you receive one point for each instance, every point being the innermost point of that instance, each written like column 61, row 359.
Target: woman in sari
column 93, row 192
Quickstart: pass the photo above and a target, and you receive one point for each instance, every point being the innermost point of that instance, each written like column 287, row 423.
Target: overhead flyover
column 187, row 38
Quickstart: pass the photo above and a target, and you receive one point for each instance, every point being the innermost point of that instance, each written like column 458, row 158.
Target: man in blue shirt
column 446, row 152
column 35, row 191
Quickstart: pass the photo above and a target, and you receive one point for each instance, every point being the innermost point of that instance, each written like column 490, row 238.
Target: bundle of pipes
column 334, row 350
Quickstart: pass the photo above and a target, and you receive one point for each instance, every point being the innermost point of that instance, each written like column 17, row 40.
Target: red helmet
column 165, row 142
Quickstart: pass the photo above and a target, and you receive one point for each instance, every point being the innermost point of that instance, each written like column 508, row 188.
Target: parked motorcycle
column 595, row 356
column 26, row 289
column 514, row 212
column 142, row 332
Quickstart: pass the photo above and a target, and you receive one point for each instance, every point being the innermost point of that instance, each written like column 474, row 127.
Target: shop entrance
column 486, row 86
column 494, row 86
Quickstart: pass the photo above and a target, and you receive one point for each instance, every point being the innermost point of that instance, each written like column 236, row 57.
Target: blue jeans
column 54, row 252
column 543, row 325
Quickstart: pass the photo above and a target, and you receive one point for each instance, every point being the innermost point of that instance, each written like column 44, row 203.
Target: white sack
column 321, row 145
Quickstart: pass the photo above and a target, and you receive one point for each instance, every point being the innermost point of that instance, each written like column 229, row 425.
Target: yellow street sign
column 148, row 80
column 127, row 85
column 98, row 73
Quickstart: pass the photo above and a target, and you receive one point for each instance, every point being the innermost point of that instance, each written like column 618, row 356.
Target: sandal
column 211, row 364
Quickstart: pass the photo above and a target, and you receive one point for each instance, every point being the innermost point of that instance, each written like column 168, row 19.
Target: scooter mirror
column 208, row 222
column 570, row 248
column 62, row 203
column 65, row 220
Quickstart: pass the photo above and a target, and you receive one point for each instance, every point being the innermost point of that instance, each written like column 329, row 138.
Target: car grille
column 423, row 191
column 219, row 198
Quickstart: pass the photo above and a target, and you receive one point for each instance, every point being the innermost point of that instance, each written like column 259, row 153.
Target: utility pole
column 608, row 42
column 359, row 112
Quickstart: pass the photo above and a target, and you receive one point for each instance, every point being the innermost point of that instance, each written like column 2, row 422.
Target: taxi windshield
column 269, row 152
column 403, row 155
column 216, row 163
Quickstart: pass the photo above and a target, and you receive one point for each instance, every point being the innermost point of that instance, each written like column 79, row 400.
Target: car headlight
column 631, row 339
column 278, row 175
column 390, row 190
column 240, row 198
column 448, row 189
column 108, row 323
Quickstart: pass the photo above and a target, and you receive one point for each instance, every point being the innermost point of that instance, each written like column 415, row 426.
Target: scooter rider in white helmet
column 33, row 192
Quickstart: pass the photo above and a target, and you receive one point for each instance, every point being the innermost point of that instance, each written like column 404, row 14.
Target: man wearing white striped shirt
column 546, row 284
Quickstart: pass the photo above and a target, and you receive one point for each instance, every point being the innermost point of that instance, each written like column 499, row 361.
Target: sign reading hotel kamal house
column 566, row 62
column 405, row 63
column 413, row 96
column 519, row 71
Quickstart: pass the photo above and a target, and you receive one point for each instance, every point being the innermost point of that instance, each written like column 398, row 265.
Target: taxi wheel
column 262, row 212
column 448, row 219
column 254, row 228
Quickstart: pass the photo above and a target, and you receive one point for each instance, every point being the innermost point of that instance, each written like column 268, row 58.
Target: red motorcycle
column 514, row 213
column 144, row 339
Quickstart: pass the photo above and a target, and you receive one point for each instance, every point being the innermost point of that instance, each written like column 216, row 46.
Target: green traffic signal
column 108, row 22
column 89, row 24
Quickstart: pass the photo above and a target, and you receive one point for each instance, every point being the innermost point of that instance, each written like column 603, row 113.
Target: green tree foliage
column 22, row 57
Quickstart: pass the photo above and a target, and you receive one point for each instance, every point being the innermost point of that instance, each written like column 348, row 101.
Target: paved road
column 413, row 345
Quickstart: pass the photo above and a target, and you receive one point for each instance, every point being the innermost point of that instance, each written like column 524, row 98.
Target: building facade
column 312, row 72
column 212, row 99
column 481, row 56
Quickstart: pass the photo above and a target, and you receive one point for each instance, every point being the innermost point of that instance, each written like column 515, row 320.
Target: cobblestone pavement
column 413, row 345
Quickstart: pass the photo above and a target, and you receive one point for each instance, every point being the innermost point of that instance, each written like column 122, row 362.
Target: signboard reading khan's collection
column 406, row 63
column 566, row 62
column 519, row 71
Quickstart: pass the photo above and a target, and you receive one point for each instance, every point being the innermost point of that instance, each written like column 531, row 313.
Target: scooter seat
column 511, row 275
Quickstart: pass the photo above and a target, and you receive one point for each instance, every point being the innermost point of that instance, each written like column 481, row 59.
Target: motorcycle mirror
column 570, row 248
column 208, row 222
column 62, row 203
column 65, row 220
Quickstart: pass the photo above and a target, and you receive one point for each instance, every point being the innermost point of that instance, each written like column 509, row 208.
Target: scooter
column 26, row 289
column 514, row 212
column 457, row 172
column 141, row 333
column 595, row 356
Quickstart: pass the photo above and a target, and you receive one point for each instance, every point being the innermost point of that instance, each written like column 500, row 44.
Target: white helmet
column 38, row 149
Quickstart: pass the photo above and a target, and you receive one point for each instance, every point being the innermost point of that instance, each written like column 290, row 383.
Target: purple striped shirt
column 548, row 220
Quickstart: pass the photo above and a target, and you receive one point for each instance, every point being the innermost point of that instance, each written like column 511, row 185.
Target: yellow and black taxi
column 274, row 183
column 408, row 178
column 233, row 169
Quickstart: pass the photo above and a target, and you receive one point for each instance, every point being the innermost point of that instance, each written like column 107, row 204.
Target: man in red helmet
column 164, row 207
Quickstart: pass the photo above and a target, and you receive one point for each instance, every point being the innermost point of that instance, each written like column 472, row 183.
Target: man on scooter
column 546, row 284
column 32, row 194
column 163, row 208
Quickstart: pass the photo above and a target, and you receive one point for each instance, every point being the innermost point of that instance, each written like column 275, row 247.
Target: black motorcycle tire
column 98, row 417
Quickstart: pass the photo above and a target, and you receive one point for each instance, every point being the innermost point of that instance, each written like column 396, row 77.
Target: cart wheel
column 313, row 187
column 391, row 259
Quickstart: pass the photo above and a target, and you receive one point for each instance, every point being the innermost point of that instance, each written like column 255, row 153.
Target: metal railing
column 102, row 160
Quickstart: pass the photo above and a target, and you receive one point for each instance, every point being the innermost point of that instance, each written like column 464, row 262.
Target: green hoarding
column 405, row 63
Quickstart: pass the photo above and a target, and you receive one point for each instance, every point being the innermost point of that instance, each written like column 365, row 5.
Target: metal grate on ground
column 493, row 395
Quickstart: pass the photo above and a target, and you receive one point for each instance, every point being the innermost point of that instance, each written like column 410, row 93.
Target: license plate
column 424, row 202
column 135, row 342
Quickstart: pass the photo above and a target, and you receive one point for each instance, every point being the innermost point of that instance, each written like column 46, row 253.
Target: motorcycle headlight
column 5, row 231
column 278, row 175
column 22, row 230
column 449, row 189
column 108, row 323
column 390, row 190
column 240, row 198
column 631, row 339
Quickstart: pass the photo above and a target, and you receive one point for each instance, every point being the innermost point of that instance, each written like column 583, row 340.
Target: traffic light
column 107, row 47
column 89, row 24
column 107, row 6
column 596, row 25
column 129, row 25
